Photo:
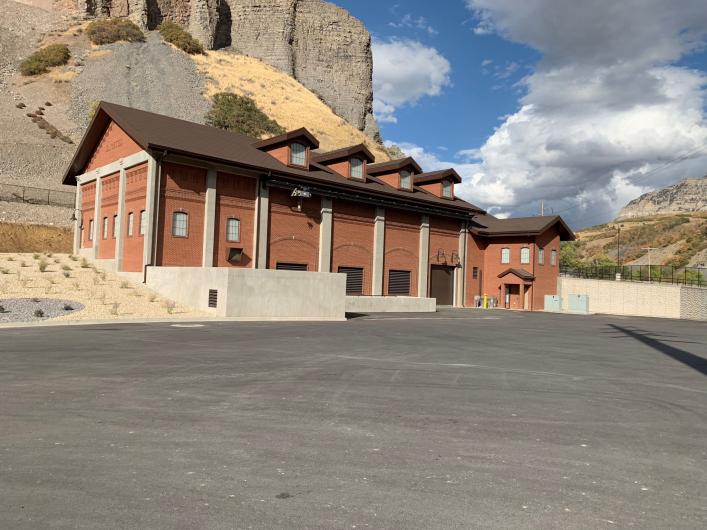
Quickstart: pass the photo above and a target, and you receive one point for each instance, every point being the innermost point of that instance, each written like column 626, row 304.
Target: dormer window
column 356, row 168
column 298, row 154
column 447, row 189
column 405, row 180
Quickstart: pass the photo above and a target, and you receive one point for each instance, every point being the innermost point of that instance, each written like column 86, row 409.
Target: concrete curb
column 49, row 323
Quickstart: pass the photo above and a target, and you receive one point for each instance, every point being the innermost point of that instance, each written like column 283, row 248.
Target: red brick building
column 155, row 191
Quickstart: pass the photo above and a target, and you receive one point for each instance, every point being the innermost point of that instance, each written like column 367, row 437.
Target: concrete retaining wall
column 390, row 304
column 254, row 293
column 636, row 298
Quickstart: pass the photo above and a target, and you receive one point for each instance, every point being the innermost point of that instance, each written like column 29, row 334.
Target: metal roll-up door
column 399, row 283
column 291, row 267
column 354, row 280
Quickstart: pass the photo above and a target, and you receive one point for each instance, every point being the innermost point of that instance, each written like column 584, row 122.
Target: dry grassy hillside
column 34, row 238
column 679, row 240
column 282, row 98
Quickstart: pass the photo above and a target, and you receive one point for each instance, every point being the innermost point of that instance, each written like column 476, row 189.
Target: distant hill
column 671, row 221
column 678, row 240
column 687, row 196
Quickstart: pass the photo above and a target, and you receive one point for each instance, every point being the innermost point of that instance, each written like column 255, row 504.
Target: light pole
column 650, row 276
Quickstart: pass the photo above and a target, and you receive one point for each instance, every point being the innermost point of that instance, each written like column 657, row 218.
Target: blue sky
column 583, row 105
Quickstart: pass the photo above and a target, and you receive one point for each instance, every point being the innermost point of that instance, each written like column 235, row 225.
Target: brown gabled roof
column 297, row 134
column 436, row 176
column 393, row 165
column 521, row 273
column 490, row 226
column 163, row 133
column 346, row 152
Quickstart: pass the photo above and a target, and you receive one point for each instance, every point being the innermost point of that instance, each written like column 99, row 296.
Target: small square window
column 405, row 180
column 180, row 222
column 525, row 255
column 143, row 222
column 447, row 189
column 505, row 255
column 298, row 155
column 233, row 229
column 356, row 168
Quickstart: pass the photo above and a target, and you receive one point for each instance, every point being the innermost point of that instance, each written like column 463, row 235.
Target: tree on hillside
column 240, row 114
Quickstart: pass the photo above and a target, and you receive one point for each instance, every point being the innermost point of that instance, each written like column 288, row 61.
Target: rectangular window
column 354, row 280
column 105, row 228
column 525, row 255
column 541, row 256
column 90, row 230
column 553, row 258
column 475, row 273
column 399, row 283
column 505, row 255
column 447, row 189
column 143, row 222
column 298, row 155
column 301, row 267
column 131, row 218
column 405, row 180
column 233, row 229
column 357, row 168
column 180, row 222
column 115, row 225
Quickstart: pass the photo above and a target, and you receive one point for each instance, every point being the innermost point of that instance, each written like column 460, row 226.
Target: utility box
column 553, row 303
column 578, row 303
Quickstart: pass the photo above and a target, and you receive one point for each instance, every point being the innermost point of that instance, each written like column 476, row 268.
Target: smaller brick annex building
column 155, row 191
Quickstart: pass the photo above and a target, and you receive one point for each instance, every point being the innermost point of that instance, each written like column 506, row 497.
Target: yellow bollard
column 486, row 302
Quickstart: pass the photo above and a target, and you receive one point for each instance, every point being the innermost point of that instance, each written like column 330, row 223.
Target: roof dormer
column 292, row 148
column 399, row 174
column 439, row 183
column 349, row 162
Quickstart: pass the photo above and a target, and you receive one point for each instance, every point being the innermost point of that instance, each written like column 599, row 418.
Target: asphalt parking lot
column 465, row 419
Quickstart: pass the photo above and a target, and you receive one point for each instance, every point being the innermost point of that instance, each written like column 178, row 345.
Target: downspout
column 158, row 184
column 535, row 258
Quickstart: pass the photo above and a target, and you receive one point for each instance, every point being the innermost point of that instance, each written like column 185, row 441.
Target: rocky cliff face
column 690, row 195
column 317, row 43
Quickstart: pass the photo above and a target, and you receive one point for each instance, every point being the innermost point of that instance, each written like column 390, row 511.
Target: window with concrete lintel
column 180, row 224
column 505, row 255
column 131, row 218
column 525, row 255
column 233, row 229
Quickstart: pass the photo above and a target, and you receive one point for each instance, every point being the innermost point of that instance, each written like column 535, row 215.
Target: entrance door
column 442, row 284
column 512, row 298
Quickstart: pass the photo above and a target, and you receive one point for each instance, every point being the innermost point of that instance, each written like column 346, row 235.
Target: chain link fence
column 30, row 195
column 694, row 276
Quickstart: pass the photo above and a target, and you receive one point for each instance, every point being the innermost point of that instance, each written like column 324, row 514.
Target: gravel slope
column 152, row 76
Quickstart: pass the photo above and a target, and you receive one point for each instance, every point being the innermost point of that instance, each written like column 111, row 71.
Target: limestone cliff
column 317, row 43
column 687, row 196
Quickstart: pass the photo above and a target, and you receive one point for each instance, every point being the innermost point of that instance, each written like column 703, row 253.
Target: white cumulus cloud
column 404, row 71
column 606, row 112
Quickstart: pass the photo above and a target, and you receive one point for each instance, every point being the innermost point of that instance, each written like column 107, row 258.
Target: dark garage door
column 442, row 284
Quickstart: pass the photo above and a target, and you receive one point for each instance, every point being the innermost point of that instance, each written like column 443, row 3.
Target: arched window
column 180, row 223
column 233, row 229
column 105, row 228
column 405, row 180
column 357, row 168
column 131, row 220
column 447, row 189
column 143, row 222
column 525, row 255
column 90, row 230
column 541, row 256
column 298, row 155
column 505, row 255
column 553, row 257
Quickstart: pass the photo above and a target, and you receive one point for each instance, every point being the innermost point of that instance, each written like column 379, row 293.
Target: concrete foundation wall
column 390, row 304
column 636, row 298
column 254, row 293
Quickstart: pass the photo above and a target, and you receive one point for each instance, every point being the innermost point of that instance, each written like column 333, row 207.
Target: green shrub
column 43, row 59
column 240, row 114
column 106, row 31
column 39, row 313
column 182, row 39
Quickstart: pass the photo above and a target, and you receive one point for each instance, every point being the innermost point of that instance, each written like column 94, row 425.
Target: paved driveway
column 461, row 420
